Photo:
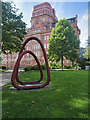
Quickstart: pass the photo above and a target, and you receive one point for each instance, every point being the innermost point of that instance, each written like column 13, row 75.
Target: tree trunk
column 62, row 62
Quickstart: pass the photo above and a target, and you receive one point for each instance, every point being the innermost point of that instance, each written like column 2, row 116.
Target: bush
column 43, row 66
column 4, row 67
column 87, row 63
column 54, row 65
column 67, row 66
column 81, row 62
column 27, row 68
column 35, row 67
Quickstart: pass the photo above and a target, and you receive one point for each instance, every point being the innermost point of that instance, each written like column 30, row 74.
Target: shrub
column 27, row 68
column 35, row 67
column 67, row 66
column 4, row 67
column 54, row 65
column 43, row 66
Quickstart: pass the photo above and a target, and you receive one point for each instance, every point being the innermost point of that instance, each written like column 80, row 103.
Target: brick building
column 42, row 21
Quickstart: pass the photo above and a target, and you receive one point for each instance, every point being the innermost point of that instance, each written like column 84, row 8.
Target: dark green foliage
column 27, row 68
column 3, row 67
column 35, row 67
column 68, row 67
column 63, row 42
column 13, row 28
column 43, row 66
column 87, row 63
column 87, row 53
column 81, row 62
column 54, row 65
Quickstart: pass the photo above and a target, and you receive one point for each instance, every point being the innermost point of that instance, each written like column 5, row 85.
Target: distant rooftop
column 42, row 4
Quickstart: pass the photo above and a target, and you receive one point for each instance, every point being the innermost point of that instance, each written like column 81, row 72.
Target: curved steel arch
column 16, row 67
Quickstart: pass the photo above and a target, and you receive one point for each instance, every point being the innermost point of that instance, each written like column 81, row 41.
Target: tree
column 63, row 42
column 87, row 53
column 81, row 62
column 13, row 28
column 0, row 59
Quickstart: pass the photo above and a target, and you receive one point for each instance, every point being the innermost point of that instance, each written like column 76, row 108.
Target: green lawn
column 66, row 97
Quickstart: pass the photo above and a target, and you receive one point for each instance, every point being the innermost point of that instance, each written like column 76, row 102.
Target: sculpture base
column 14, row 89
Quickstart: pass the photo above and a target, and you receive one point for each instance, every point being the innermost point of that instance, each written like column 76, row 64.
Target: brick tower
column 42, row 21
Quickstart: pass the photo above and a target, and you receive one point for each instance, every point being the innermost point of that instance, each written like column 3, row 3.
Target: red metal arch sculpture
column 16, row 67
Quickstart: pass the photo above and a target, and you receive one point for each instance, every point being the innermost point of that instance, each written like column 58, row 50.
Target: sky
column 65, row 9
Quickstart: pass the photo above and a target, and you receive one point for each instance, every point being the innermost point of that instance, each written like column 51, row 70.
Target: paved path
column 5, row 78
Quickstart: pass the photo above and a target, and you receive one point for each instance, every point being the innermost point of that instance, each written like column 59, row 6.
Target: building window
column 47, row 45
column 27, row 55
column 34, row 14
column 38, row 13
column 17, row 56
column 14, row 56
column 38, row 54
column 63, row 61
column 2, row 56
column 43, row 12
column 48, row 19
column 48, row 13
column 66, row 61
column 29, row 41
column 36, row 46
column 5, row 62
column 23, row 56
column 33, row 21
column 44, row 37
column 43, row 19
column 28, row 47
column 22, row 62
column 8, row 56
column 38, row 36
column 47, row 52
column 5, row 57
column 27, row 62
column 13, row 62
column 47, row 37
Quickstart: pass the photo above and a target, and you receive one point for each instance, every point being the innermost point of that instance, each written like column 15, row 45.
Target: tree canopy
column 87, row 53
column 13, row 28
column 63, row 42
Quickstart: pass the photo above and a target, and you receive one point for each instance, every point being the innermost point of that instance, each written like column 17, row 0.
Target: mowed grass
column 66, row 97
